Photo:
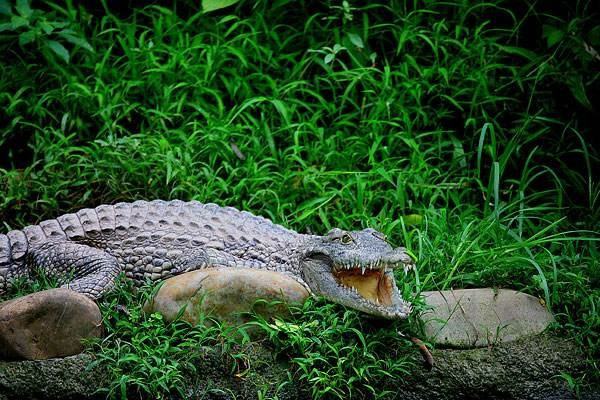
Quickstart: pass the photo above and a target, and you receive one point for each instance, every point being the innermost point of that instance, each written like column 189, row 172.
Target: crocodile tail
column 13, row 249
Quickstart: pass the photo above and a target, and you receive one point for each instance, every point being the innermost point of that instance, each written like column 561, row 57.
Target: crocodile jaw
column 370, row 288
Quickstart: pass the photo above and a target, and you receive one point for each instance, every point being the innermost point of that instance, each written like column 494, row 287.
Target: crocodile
column 155, row 240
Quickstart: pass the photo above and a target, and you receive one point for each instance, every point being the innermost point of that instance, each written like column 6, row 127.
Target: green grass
column 337, row 354
column 460, row 129
column 332, row 351
column 146, row 356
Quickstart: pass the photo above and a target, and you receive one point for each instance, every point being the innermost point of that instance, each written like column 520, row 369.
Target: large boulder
column 47, row 324
column 227, row 294
column 468, row 318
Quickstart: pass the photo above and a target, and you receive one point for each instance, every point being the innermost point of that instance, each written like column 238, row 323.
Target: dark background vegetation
column 462, row 129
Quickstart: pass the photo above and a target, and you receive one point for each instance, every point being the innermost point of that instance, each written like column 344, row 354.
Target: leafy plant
column 36, row 27
column 336, row 354
column 574, row 54
column 148, row 356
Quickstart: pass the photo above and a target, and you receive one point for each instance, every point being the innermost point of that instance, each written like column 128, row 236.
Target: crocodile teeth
column 363, row 270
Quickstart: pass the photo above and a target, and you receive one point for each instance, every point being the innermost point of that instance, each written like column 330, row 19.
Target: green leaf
column 552, row 34
column 281, row 109
column 519, row 51
column 58, row 25
column 329, row 58
column 18, row 21
column 78, row 41
column 412, row 219
column 7, row 26
column 5, row 7
column 594, row 36
column 356, row 40
column 578, row 90
column 385, row 175
column 59, row 50
column 23, row 8
column 46, row 27
column 444, row 73
column 26, row 38
column 212, row 5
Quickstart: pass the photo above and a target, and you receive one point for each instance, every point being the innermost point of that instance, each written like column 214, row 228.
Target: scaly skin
column 160, row 239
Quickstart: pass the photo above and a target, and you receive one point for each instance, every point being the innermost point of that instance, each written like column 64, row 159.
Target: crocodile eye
column 346, row 239
column 380, row 235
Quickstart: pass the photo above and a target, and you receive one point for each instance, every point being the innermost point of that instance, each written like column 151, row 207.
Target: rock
column 47, row 324
column 58, row 378
column 75, row 377
column 226, row 294
column 480, row 317
column 526, row 369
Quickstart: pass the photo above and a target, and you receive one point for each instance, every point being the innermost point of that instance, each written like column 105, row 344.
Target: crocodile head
column 356, row 269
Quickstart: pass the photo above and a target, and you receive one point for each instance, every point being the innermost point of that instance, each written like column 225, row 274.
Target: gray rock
column 480, row 317
column 226, row 294
column 528, row 368
column 47, row 324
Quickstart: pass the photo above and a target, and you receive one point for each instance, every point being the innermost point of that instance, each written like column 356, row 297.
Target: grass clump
column 331, row 351
column 149, row 357
column 22, row 287
column 337, row 354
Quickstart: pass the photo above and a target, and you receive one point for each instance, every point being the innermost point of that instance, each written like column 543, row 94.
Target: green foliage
column 46, row 30
column 337, row 354
column 333, row 351
column 22, row 286
column 460, row 129
column 212, row 5
column 147, row 356
column 574, row 47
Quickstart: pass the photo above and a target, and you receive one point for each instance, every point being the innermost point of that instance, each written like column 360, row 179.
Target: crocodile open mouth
column 373, row 284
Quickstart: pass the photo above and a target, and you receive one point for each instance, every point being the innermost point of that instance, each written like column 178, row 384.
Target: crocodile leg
column 205, row 258
column 90, row 271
